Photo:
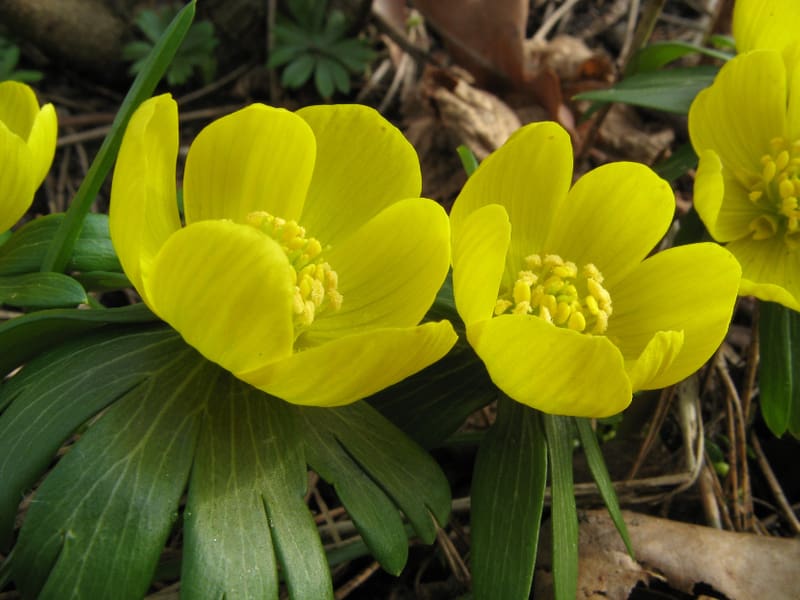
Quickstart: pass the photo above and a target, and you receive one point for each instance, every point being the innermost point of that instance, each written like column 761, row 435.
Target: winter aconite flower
column 552, row 283
column 307, row 258
column 759, row 24
column 745, row 129
column 27, row 145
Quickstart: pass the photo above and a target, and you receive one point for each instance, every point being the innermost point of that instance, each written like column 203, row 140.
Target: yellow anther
column 522, row 292
column 553, row 260
column 559, row 292
column 763, row 227
column 770, row 168
column 534, row 261
column 782, row 160
column 316, row 284
column 788, row 205
column 591, row 305
column 502, row 306
column 577, row 322
column 755, row 195
column 544, row 313
column 786, row 188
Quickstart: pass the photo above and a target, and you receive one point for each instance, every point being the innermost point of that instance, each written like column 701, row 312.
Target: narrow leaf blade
column 597, row 465
column 41, row 290
column 776, row 368
column 564, row 516
column 508, row 489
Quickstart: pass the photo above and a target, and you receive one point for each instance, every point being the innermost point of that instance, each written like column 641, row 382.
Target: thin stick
column 350, row 586
column 772, row 481
column 552, row 20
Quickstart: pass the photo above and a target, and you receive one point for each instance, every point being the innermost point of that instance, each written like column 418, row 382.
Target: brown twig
column 774, row 485
column 349, row 587
column 655, row 425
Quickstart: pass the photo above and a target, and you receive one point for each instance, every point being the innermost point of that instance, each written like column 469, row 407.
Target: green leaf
column 41, row 290
column 468, row 159
column 283, row 54
column 103, row 281
column 60, row 249
column 678, row 164
column 246, row 503
column 564, row 516
column 323, row 78
column 297, row 72
column 658, row 54
column 369, row 461
column 25, row 337
column 59, row 391
column 508, row 488
column 671, row 90
column 444, row 394
column 779, row 368
column 597, row 465
column 93, row 250
column 102, row 516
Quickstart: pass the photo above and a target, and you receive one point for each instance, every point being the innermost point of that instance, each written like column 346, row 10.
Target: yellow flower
column 553, row 286
column 27, row 145
column 746, row 130
column 769, row 24
column 307, row 259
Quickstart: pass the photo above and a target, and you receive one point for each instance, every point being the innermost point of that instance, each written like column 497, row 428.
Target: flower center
column 775, row 191
column 558, row 292
column 316, row 284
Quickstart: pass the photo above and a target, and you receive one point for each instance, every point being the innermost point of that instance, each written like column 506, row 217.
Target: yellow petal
column 769, row 270
column 721, row 200
column 18, row 107
column 354, row 367
column 227, row 289
column 613, row 217
column 259, row 158
column 742, row 111
column 655, row 360
column 363, row 165
column 550, row 368
column 690, row 289
column 791, row 56
column 17, row 183
column 42, row 141
column 389, row 270
column 479, row 260
column 765, row 24
column 144, row 210
column 529, row 176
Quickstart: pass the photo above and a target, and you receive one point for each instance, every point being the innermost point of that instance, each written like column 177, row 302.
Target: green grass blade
column 508, row 488
column 597, row 465
column 564, row 516
column 60, row 249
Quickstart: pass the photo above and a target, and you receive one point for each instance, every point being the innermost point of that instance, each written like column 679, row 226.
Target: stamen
column 316, row 284
column 560, row 293
column 775, row 192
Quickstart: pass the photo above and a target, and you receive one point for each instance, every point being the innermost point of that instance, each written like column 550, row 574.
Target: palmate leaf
column 372, row 466
column 169, row 419
column 245, row 503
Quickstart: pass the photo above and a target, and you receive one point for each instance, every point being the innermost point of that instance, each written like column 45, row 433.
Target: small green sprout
column 312, row 41
column 195, row 54
column 9, row 57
